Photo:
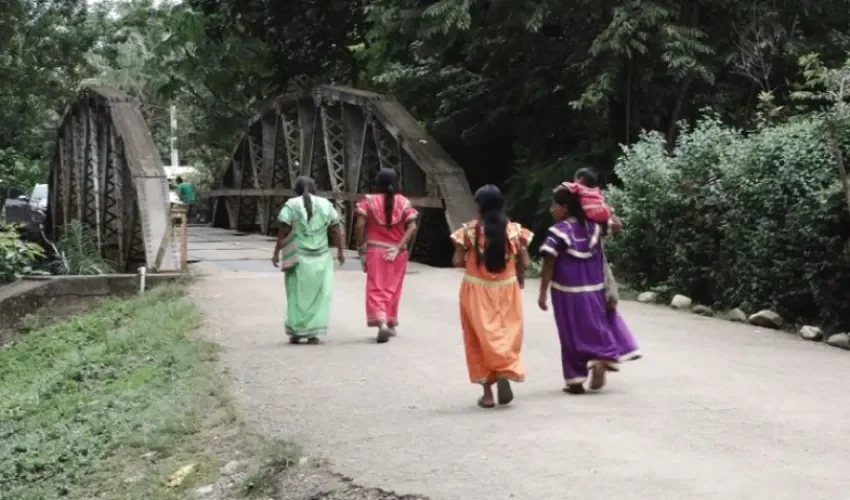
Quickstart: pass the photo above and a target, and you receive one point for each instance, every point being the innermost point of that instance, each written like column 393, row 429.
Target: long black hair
column 386, row 182
column 491, row 210
column 571, row 200
column 304, row 187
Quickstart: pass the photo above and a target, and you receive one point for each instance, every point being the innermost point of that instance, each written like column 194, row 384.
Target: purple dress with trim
column 589, row 331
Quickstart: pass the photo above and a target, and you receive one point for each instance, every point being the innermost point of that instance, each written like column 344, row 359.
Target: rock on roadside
column 811, row 333
column 737, row 315
column 767, row 319
column 205, row 491
column 231, row 468
column 702, row 310
column 648, row 297
column 681, row 302
column 841, row 340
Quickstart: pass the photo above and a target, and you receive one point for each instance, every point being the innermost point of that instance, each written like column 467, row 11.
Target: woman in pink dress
column 386, row 222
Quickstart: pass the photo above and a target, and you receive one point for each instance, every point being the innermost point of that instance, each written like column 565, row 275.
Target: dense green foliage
column 531, row 88
column 757, row 220
column 17, row 257
column 521, row 94
column 77, row 252
column 43, row 51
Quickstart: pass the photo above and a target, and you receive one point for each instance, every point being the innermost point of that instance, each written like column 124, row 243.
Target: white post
column 143, row 271
column 175, row 162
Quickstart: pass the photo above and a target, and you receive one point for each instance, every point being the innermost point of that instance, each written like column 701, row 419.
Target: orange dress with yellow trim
column 491, row 307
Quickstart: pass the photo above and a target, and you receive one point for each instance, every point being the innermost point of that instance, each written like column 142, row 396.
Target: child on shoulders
column 586, row 185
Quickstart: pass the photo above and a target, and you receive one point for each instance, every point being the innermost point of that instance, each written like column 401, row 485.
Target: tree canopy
column 725, row 119
column 536, row 87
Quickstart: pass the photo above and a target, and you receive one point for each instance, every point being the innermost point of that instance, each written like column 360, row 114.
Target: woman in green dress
column 309, row 273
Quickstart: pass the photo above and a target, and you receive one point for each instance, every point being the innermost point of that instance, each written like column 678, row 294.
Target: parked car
column 18, row 208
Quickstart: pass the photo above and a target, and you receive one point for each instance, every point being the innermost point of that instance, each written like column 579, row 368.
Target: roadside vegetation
column 121, row 402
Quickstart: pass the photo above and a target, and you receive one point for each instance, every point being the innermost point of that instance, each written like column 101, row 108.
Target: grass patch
column 273, row 457
column 108, row 404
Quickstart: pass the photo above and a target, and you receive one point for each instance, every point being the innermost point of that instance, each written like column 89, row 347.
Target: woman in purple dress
column 594, row 338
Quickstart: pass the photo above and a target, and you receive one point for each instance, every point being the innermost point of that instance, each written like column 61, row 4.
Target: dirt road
column 715, row 410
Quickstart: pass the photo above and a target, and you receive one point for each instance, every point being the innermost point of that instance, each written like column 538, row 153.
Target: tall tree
column 42, row 60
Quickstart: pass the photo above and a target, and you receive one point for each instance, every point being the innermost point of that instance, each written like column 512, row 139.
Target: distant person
column 594, row 338
column 187, row 195
column 494, row 253
column 386, row 222
column 308, row 267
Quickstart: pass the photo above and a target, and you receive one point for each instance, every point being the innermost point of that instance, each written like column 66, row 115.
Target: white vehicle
column 38, row 197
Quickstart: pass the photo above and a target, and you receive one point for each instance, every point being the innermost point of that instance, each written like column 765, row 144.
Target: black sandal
column 384, row 334
column 293, row 339
column 574, row 389
column 313, row 340
column 504, row 392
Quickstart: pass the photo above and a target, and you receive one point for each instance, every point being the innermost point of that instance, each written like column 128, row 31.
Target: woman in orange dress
column 494, row 253
column 386, row 221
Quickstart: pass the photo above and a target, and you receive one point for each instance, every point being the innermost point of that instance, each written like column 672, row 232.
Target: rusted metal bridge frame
column 340, row 136
column 107, row 173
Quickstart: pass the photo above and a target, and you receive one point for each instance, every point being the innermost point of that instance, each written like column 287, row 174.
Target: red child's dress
column 592, row 201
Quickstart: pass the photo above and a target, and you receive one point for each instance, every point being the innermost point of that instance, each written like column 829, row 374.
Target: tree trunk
column 683, row 91
column 677, row 112
column 839, row 158
column 629, row 70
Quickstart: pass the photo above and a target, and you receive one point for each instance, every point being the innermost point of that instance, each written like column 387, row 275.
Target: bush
column 733, row 219
column 78, row 252
column 17, row 257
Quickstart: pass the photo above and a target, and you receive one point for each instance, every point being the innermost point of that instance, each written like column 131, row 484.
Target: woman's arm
column 360, row 230
column 459, row 257
column 282, row 233
column 409, row 231
column 521, row 266
column 338, row 238
column 545, row 281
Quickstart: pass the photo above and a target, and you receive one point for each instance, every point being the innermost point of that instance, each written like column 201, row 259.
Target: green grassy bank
column 111, row 403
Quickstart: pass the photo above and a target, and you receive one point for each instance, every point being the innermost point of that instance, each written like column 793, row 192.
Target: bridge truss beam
column 341, row 137
column 106, row 172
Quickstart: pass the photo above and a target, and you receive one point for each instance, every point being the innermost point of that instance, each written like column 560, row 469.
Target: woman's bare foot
column 597, row 376
column 486, row 401
column 574, row 389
